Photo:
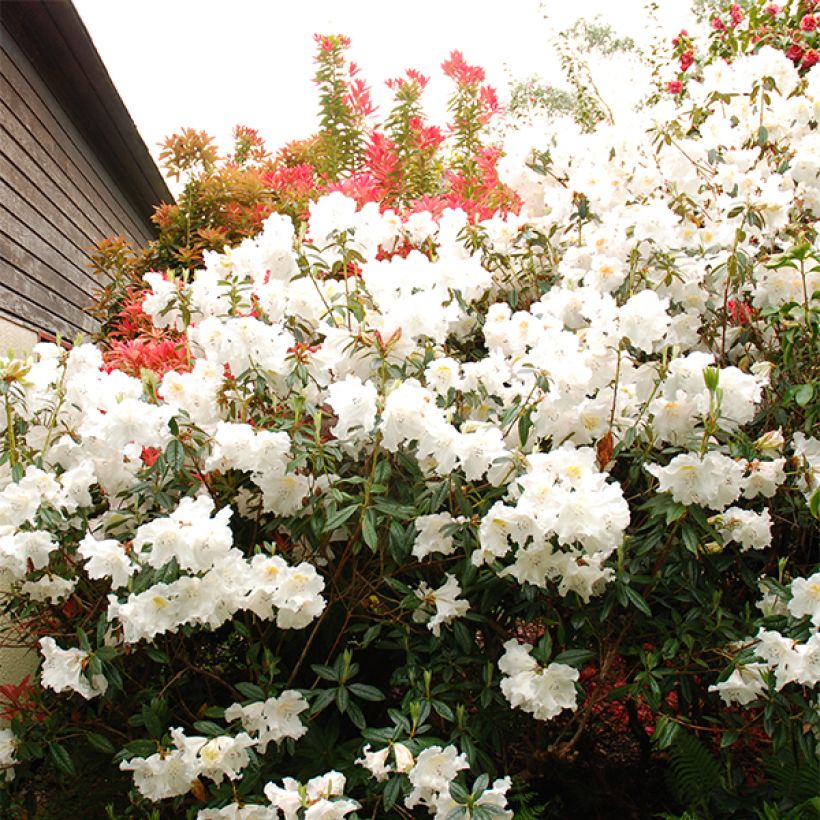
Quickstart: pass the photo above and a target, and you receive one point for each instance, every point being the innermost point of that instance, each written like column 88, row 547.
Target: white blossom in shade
column 407, row 416
column 675, row 416
column 17, row 548
column 225, row 756
column 19, row 503
column 376, row 762
column 324, row 809
column 190, row 535
column 286, row 798
column 321, row 797
column 404, row 758
column 712, row 481
column 62, row 671
column 76, row 484
column 764, row 478
column 50, row 588
column 8, row 748
column 444, row 600
column 744, row 685
column 807, row 449
column 479, row 448
column 805, row 598
column 233, row 811
column 163, row 774
column 443, row 374
column 495, row 796
column 241, row 447
column 544, row 692
column 354, row 404
column 740, row 396
column 501, row 525
column 282, row 494
column 644, row 319
column 106, row 559
column 434, row 770
column 271, row 720
column 750, row 529
column 298, row 596
column 580, row 573
column 431, row 536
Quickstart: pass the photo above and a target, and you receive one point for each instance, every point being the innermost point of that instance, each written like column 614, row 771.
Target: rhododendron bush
column 435, row 506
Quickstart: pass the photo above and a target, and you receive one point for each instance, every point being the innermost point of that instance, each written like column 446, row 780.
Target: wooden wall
column 56, row 201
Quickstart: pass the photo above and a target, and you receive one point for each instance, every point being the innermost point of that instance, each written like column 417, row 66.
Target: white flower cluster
column 786, row 660
column 321, row 798
column 63, row 670
column 544, row 692
column 562, row 497
column 8, row 753
column 171, row 772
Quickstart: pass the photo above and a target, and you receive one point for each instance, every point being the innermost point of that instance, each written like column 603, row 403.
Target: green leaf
column 637, row 600
column 803, row 394
column 62, row 759
column 356, row 715
column 342, row 698
column 391, row 792
column 251, row 691
column 326, row 696
column 209, row 728
column 369, row 534
column 325, row 672
column 175, row 454
column 665, row 732
column 152, row 722
column 100, row 743
column 458, row 792
column 156, row 655
column 480, row 785
column 365, row 692
column 136, row 748
column 574, row 657
column 339, row 517
column 814, row 504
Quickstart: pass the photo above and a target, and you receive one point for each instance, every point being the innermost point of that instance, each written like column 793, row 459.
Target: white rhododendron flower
column 63, row 670
column 744, row 685
column 495, row 796
column 444, row 600
column 712, row 481
column 544, row 692
column 271, row 720
column 805, row 598
column 434, row 770
column 749, row 529
column 8, row 748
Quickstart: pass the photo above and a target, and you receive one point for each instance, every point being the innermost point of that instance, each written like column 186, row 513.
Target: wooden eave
column 53, row 36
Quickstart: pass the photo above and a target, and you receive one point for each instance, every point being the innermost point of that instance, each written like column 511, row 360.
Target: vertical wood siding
column 56, row 201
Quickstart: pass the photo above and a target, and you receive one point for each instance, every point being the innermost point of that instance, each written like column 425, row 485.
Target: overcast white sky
column 210, row 64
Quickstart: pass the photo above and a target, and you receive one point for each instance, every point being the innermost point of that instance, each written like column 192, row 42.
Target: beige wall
column 15, row 664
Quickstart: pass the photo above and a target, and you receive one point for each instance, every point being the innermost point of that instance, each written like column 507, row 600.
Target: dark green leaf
column 62, row 759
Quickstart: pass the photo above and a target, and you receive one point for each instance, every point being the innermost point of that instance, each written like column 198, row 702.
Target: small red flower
column 811, row 57
column 686, row 60
column 736, row 14
column 718, row 24
column 808, row 23
column 674, row 86
column 795, row 53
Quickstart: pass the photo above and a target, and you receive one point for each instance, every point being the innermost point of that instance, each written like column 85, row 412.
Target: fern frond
column 792, row 779
column 695, row 772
